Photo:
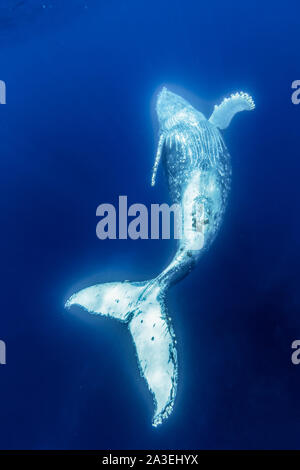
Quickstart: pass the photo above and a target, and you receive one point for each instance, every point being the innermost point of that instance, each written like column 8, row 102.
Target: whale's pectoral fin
column 141, row 305
column 157, row 158
column 223, row 114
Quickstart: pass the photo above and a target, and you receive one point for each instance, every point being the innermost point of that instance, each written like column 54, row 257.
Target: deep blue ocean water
column 77, row 131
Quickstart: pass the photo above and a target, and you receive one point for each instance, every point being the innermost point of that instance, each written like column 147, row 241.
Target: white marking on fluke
column 197, row 166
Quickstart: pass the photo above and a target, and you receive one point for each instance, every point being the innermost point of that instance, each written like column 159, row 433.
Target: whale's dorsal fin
column 222, row 114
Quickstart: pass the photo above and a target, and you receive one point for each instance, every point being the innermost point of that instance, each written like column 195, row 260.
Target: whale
column 197, row 167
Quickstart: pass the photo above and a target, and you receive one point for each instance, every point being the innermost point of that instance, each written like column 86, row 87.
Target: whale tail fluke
column 112, row 299
column 141, row 305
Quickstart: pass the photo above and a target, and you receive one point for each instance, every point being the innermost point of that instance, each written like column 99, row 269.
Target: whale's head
column 172, row 108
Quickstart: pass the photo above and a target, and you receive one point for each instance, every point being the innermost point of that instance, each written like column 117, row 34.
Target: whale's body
column 197, row 166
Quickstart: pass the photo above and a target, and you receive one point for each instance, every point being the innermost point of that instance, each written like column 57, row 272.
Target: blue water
column 78, row 131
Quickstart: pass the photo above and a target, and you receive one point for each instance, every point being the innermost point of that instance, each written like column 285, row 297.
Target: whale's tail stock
column 141, row 305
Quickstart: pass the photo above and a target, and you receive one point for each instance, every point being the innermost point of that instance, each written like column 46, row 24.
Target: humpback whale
column 198, row 171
